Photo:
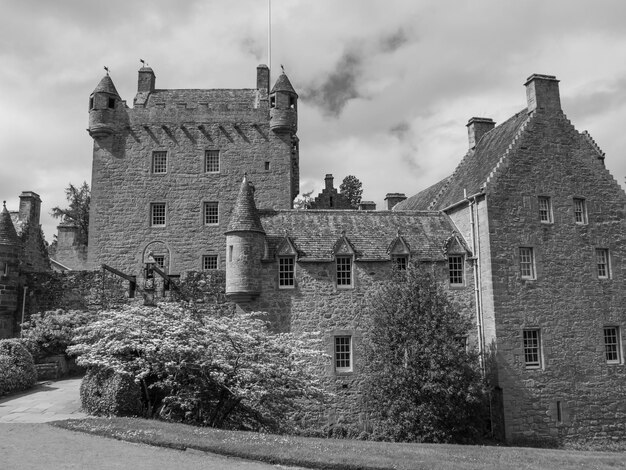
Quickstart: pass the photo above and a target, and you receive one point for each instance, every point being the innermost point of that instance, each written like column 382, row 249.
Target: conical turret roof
column 245, row 217
column 283, row 84
column 8, row 235
column 106, row 86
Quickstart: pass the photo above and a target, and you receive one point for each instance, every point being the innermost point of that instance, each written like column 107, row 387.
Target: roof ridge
column 593, row 143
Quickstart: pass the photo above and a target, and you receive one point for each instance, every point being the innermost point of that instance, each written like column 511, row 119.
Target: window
column 400, row 262
column 272, row 101
column 344, row 271
column 527, row 263
column 612, row 349
column 157, row 214
column 286, row 269
column 343, row 353
column 602, row 261
column 580, row 211
column 111, row 102
column 212, row 161
column 159, row 261
column 209, row 262
column 159, row 162
column 267, row 166
column 545, row 209
column 90, row 103
column 455, row 267
column 211, row 213
column 532, row 349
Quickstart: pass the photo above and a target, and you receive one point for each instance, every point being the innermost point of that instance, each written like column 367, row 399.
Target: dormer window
column 400, row 262
column 111, row 102
column 344, row 271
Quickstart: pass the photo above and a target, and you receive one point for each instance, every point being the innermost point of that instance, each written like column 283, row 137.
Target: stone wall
column 575, row 394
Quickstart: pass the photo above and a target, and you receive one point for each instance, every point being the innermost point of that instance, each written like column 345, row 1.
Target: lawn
column 342, row 454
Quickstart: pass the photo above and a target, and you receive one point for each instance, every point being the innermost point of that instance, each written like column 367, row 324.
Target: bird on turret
column 107, row 69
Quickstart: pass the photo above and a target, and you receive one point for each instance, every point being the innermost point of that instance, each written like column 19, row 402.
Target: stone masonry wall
column 575, row 394
column 317, row 305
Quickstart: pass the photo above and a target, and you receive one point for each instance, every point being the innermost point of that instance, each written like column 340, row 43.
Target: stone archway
column 161, row 254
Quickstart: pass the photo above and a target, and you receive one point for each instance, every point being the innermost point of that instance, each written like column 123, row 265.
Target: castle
column 527, row 234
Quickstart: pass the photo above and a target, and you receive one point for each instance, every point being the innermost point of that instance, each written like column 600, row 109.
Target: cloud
column 394, row 41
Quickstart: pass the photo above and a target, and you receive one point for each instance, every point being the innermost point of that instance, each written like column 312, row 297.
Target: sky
column 386, row 87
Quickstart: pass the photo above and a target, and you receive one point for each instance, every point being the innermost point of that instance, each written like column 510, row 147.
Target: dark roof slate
column 8, row 235
column 315, row 233
column 244, row 97
column 283, row 84
column 245, row 217
column 106, row 86
column 473, row 171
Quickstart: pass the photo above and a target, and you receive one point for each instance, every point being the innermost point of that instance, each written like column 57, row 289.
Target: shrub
column 51, row 332
column 17, row 368
column 106, row 392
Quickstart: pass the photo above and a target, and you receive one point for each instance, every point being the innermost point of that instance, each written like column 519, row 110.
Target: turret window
column 90, row 103
column 111, row 102
column 292, row 102
column 159, row 162
column 272, row 101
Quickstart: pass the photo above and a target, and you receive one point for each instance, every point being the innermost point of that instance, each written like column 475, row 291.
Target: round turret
column 245, row 246
column 102, row 105
column 283, row 106
column 9, row 262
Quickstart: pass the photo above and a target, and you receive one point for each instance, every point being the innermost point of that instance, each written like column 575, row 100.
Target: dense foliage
column 77, row 213
column 50, row 333
column 105, row 392
column 351, row 188
column 303, row 201
column 17, row 368
column 220, row 370
column 421, row 384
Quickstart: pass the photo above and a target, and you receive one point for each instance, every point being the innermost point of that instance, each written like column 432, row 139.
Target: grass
column 339, row 453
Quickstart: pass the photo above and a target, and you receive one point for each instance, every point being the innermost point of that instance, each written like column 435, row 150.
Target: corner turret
column 103, row 103
column 283, row 106
column 9, row 261
column 245, row 247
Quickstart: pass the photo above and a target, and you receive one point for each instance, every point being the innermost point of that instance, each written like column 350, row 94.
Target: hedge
column 17, row 368
column 106, row 392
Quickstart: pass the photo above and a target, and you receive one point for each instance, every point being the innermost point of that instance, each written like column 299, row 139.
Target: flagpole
column 269, row 35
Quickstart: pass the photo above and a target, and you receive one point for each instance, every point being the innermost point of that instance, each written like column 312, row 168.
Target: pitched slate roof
column 8, row 235
column 316, row 232
column 243, row 98
column 283, row 84
column 106, row 86
column 245, row 217
column 472, row 173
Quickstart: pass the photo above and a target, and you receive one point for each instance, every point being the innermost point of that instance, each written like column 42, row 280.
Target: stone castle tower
column 9, row 263
column 166, row 172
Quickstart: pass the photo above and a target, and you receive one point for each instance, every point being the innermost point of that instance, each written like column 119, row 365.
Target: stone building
column 527, row 235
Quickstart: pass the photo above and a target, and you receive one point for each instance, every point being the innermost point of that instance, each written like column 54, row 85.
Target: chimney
column 329, row 181
column 394, row 198
column 542, row 93
column 367, row 206
column 263, row 78
column 146, row 80
column 476, row 128
column 30, row 207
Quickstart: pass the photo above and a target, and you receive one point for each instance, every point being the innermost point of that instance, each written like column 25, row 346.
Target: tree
column 351, row 188
column 421, row 384
column 77, row 213
column 303, row 201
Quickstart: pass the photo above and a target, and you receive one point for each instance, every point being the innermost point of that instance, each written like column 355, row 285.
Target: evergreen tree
column 351, row 188
column 79, row 199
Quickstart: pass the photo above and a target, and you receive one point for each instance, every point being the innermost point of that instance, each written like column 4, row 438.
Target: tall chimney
column 542, row 93
column 476, row 128
column 263, row 78
column 146, row 80
column 30, row 207
column 394, row 198
column 329, row 181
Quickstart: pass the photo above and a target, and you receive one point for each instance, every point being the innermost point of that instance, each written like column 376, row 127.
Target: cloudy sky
column 386, row 86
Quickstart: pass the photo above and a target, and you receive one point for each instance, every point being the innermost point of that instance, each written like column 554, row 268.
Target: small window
column 527, row 263
column 209, row 262
column 463, row 343
column 111, row 102
column 272, row 101
column 212, row 161
column 532, row 349
column 159, row 261
column 230, row 253
column 157, row 214
column 602, row 262
column 344, row 271
column 612, row 347
column 545, row 209
column 90, row 103
column 159, row 162
column 580, row 211
column 455, row 269
column 292, row 102
column 343, row 353
column 400, row 262
column 267, row 166
column 211, row 213
column 286, row 271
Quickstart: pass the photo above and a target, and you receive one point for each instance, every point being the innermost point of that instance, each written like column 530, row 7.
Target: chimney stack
column 394, row 198
column 146, row 81
column 367, row 206
column 263, row 78
column 328, row 180
column 30, row 207
column 542, row 93
column 476, row 128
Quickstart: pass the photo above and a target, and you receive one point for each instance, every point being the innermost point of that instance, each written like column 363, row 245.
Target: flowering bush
column 17, row 368
column 105, row 392
column 51, row 332
column 216, row 370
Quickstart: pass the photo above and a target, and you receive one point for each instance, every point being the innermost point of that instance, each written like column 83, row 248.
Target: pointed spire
column 283, row 84
column 245, row 217
column 8, row 235
column 106, row 86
